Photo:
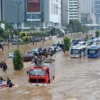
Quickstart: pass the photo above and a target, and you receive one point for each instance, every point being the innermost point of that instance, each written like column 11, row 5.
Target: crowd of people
column 3, row 65
column 7, row 83
column 39, row 57
column 3, row 82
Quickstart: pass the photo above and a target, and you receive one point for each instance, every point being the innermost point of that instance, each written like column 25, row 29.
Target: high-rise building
column 32, row 13
column 86, row 6
column 11, row 14
column 96, row 10
column 86, row 11
column 73, row 7
column 64, row 13
column 0, row 9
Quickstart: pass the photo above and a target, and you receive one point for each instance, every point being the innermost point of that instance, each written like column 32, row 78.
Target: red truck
column 42, row 75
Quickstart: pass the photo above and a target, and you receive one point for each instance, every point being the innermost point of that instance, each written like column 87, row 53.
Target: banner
column 33, row 5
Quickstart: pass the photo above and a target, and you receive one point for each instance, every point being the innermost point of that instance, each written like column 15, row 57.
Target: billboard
column 33, row 6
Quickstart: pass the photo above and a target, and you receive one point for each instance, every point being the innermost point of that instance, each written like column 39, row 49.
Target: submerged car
column 28, row 57
column 11, row 55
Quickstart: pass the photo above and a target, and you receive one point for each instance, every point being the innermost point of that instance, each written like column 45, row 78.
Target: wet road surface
column 76, row 79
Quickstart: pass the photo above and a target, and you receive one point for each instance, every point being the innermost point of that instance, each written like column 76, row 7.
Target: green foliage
column 7, row 26
column 42, row 29
column 16, row 32
column 85, row 29
column 1, row 39
column 38, row 34
column 21, row 34
column 8, row 30
column 18, row 60
column 25, row 38
column 6, row 35
column 1, row 32
column 97, row 33
column 76, row 26
column 67, row 43
column 52, row 32
column 86, row 37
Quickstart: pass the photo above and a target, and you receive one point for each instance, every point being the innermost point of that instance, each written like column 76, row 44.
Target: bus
column 93, row 52
column 78, row 51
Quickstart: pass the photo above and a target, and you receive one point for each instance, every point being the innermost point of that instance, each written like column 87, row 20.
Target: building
column 64, row 13
column 73, row 9
column 86, row 6
column 0, row 9
column 32, row 13
column 96, row 10
column 11, row 14
column 86, row 10
column 48, row 13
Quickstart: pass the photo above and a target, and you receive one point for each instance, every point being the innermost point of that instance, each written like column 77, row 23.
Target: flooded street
column 76, row 79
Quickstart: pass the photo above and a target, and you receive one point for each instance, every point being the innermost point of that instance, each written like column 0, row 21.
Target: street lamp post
column 18, row 3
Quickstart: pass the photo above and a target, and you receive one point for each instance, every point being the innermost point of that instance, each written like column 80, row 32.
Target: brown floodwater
column 76, row 79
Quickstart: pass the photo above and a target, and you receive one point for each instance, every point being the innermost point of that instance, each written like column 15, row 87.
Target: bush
column 97, row 33
column 41, row 29
column 25, row 38
column 86, row 37
column 67, row 43
column 21, row 34
column 18, row 60
column 1, row 39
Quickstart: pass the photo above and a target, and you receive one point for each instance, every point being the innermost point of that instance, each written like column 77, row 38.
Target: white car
column 11, row 55
column 58, row 49
column 82, row 43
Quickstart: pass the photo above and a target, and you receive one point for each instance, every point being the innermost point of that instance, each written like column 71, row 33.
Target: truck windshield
column 37, row 72
column 92, row 51
column 75, row 51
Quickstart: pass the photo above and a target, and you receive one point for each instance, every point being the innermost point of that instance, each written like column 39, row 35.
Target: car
column 14, row 43
column 36, row 50
column 30, row 52
column 58, row 49
column 28, row 57
column 89, row 42
column 11, row 55
column 82, row 43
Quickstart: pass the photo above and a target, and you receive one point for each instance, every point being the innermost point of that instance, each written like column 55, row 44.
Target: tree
column 1, row 32
column 52, row 32
column 67, row 43
column 6, row 35
column 1, row 39
column 97, row 33
column 18, row 60
column 76, row 26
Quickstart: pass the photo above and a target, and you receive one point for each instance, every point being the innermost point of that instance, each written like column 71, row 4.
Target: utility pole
column 18, row 5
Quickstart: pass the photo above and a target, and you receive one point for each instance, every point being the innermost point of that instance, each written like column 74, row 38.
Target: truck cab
column 38, row 75
column 43, row 74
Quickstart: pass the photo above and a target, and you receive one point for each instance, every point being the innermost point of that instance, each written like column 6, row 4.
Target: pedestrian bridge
column 93, row 26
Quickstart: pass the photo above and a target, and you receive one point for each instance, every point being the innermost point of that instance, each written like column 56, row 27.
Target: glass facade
column 97, row 10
